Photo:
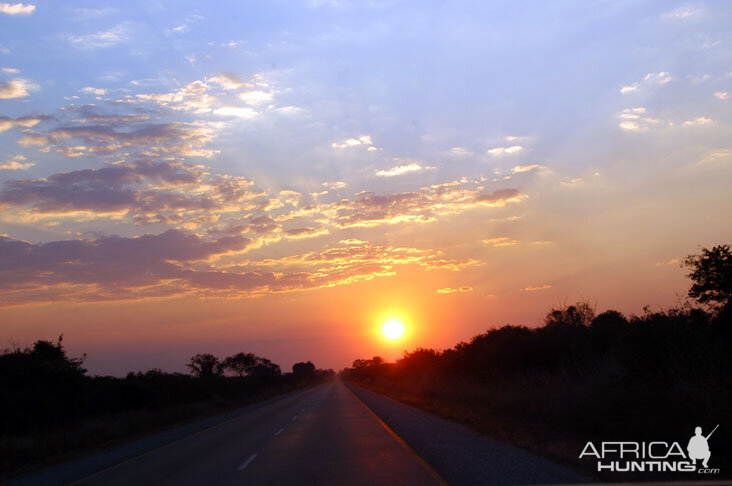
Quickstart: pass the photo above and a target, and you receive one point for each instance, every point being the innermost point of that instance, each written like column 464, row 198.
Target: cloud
column 335, row 185
column 460, row 152
column 236, row 111
column 142, row 192
column 636, row 119
column 229, row 82
column 307, row 232
column 10, row 70
column 85, row 14
column 450, row 290
column 23, row 121
column 16, row 8
column 500, row 241
column 16, row 163
column 15, row 88
column 367, row 255
column 255, row 97
column 262, row 224
column 501, row 151
column 519, row 169
column 650, row 79
column 698, row 121
column 177, row 263
column 103, row 39
column 93, row 91
column 217, row 95
column 363, row 140
column 401, row 169
column 152, row 139
column 716, row 156
column 194, row 96
column 422, row 206
column 92, row 114
column 722, row 95
column 673, row 261
column 108, row 267
column 34, row 140
column 683, row 12
column 572, row 182
column 533, row 288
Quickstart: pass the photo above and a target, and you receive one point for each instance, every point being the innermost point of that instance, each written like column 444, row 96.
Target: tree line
column 49, row 405
column 602, row 376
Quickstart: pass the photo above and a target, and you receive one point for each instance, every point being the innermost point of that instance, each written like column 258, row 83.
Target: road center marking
column 279, row 431
column 246, row 463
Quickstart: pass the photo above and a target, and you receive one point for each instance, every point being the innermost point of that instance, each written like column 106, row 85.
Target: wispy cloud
column 93, row 91
column 501, row 151
column 525, row 168
column 460, row 152
column 698, row 121
column 361, row 141
column 673, row 261
column 650, row 79
column 102, row 39
column 402, row 169
column 722, row 95
column 533, row 288
column 451, row 290
column 335, row 185
column 500, row 241
column 683, row 12
column 306, row 232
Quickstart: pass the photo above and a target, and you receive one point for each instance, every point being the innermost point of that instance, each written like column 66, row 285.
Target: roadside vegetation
column 584, row 376
column 51, row 410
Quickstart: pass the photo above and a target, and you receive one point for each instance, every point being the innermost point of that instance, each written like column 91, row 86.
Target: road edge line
column 435, row 475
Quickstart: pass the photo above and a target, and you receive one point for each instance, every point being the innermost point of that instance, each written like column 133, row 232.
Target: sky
column 281, row 177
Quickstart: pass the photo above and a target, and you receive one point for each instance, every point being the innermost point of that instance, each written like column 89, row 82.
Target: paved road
column 321, row 436
column 328, row 435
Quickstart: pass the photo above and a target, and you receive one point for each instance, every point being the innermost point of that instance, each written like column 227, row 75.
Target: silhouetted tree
column 205, row 365
column 578, row 315
column 265, row 369
column 711, row 272
column 241, row 363
column 53, row 356
column 606, row 328
column 303, row 371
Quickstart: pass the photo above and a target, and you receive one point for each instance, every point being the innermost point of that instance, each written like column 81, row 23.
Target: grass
column 23, row 454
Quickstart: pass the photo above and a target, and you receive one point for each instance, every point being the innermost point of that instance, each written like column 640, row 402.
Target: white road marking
column 279, row 431
column 251, row 458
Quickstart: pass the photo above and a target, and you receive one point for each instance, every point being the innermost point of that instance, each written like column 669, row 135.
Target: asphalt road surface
column 329, row 435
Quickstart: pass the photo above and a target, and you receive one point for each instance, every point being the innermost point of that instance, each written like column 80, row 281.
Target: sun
column 392, row 329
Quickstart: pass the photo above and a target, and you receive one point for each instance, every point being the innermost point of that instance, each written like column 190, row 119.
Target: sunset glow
column 393, row 329
column 269, row 177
